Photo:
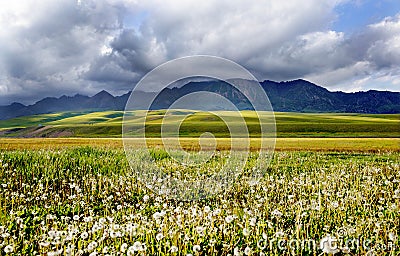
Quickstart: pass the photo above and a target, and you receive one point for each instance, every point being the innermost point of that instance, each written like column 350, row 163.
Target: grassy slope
column 108, row 124
column 282, row 144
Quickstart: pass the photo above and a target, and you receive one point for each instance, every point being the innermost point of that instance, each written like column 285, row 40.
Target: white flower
column 392, row 236
column 174, row 249
column 217, row 211
column 44, row 243
column 229, row 219
column 253, row 222
column 92, row 246
column 123, row 247
column 265, row 236
column 137, row 246
column 159, row 236
column 157, row 215
column 58, row 252
column 196, row 248
column 277, row 213
column 9, row 248
column 52, row 234
column 87, row 219
column 247, row 251
column 200, row 230
column 84, row 235
column 246, row 232
column 69, row 250
column 236, row 252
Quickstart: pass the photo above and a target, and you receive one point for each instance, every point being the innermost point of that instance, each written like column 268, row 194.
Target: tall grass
column 83, row 201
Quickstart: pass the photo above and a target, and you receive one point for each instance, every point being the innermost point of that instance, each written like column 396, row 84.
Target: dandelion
column 196, row 248
column 253, row 222
column 200, row 230
column 123, row 247
column 159, row 236
column 44, row 243
column 229, row 219
column 264, row 236
column 69, row 250
column 55, row 253
column 174, row 249
column 92, row 246
column 88, row 219
column 137, row 246
column 247, row 251
column 157, row 215
column 277, row 213
column 392, row 236
column 246, row 232
column 9, row 248
column 84, row 235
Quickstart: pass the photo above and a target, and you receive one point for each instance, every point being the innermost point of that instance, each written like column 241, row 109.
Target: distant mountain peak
column 17, row 104
column 103, row 93
column 287, row 96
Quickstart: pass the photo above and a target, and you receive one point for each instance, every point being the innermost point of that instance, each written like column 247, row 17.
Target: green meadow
column 66, row 187
column 108, row 124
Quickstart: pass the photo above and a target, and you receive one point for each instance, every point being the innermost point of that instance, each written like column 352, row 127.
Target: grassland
column 282, row 144
column 85, row 201
column 332, row 187
column 108, row 124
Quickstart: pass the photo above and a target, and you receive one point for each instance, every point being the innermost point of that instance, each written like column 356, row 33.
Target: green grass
column 108, row 124
column 282, row 144
column 82, row 200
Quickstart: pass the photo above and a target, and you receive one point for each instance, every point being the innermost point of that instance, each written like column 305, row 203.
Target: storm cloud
column 51, row 48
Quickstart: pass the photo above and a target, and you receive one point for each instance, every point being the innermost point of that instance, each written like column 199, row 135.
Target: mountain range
column 289, row 96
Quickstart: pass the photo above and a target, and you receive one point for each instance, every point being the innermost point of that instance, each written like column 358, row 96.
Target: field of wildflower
column 83, row 201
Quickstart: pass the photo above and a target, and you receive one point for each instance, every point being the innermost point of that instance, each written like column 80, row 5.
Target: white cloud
column 49, row 48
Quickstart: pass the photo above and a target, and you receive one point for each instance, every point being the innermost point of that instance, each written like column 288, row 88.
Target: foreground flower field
column 83, row 201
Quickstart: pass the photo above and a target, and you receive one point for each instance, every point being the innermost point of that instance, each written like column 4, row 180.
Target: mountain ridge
column 286, row 96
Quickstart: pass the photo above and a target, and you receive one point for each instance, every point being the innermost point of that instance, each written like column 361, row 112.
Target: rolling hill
column 292, row 96
column 288, row 124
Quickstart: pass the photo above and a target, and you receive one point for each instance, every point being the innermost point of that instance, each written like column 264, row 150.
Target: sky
column 52, row 48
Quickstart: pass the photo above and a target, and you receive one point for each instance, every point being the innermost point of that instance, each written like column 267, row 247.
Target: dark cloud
column 50, row 48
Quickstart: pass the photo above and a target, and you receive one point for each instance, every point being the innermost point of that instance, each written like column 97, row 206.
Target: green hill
column 108, row 124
